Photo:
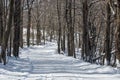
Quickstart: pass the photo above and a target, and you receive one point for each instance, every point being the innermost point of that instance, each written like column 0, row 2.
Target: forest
column 88, row 29
column 59, row 39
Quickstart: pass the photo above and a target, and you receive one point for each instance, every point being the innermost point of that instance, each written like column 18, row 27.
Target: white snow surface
column 43, row 63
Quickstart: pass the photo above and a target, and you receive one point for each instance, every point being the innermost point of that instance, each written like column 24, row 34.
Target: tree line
column 93, row 26
column 90, row 25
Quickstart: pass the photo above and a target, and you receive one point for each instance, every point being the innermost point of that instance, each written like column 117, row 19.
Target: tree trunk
column 107, row 37
column 1, row 21
column 17, row 24
column 118, row 32
column 70, row 27
column 85, row 43
column 38, row 36
column 28, row 27
column 59, row 24
column 21, row 29
column 7, row 32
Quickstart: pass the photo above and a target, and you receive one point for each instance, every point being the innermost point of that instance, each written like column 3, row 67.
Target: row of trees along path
column 92, row 25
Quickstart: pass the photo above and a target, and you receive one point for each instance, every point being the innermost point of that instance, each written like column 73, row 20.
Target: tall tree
column 85, row 36
column 70, row 28
column 59, row 23
column 118, row 30
column 107, row 38
column 21, row 29
column 17, row 24
column 7, row 32
column 29, row 6
column 38, row 35
column 1, row 20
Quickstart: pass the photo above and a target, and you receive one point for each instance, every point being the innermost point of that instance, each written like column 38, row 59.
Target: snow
column 43, row 63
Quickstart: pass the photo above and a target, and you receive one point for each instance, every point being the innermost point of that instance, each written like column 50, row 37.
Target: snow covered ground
column 43, row 63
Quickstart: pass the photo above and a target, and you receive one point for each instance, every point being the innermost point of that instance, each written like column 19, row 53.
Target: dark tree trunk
column 1, row 24
column 118, row 32
column 59, row 24
column 70, row 28
column 29, row 5
column 1, row 21
column 107, row 37
column 85, row 43
column 21, row 29
column 17, row 24
column 7, row 32
column 63, row 38
column 28, row 27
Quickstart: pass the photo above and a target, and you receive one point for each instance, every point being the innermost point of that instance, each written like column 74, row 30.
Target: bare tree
column 118, row 31
column 7, row 32
column 17, row 24
column 29, row 6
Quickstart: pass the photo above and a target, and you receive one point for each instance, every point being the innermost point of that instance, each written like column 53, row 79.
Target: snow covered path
column 43, row 63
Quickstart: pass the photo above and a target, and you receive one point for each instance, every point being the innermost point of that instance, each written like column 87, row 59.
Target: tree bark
column 59, row 24
column 118, row 32
column 7, row 32
column 17, row 24
column 85, row 38
column 1, row 21
column 107, row 37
